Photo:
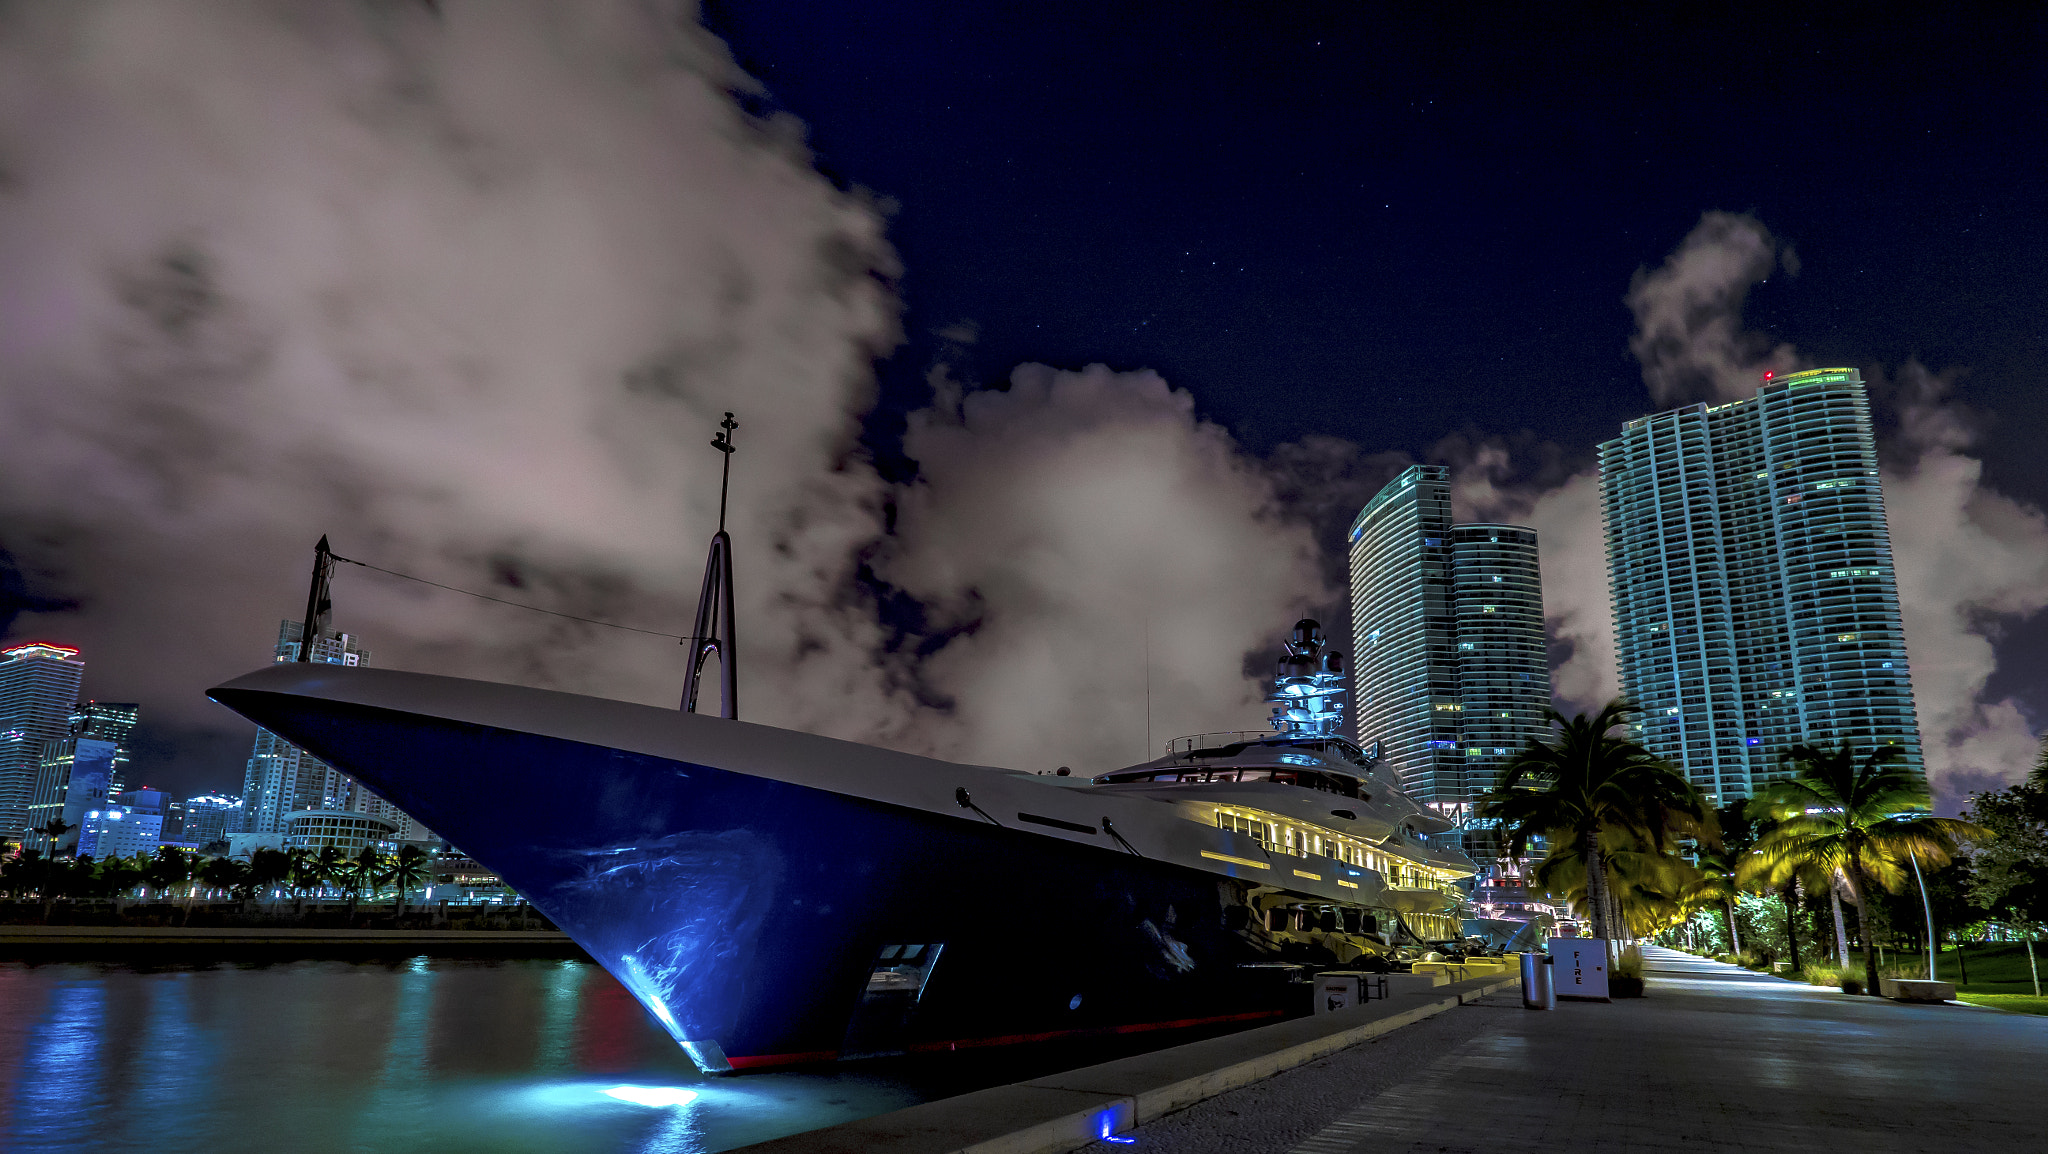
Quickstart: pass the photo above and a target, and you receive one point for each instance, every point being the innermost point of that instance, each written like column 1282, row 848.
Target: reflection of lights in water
column 558, row 1015
column 652, row 1096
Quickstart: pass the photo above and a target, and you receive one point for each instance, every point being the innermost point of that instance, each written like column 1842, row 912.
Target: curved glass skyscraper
column 1450, row 663
column 1751, row 570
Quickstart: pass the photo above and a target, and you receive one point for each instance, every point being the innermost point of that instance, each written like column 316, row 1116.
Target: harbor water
column 422, row 1054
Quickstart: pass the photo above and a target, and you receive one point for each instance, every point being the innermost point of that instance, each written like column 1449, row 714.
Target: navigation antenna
column 319, row 601
column 713, row 632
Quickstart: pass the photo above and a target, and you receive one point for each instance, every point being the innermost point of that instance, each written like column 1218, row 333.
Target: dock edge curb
column 1063, row 1112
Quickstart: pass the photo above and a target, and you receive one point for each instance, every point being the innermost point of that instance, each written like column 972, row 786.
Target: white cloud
column 1966, row 556
column 1689, row 335
column 1572, row 548
column 464, row 289
column 1070, row 518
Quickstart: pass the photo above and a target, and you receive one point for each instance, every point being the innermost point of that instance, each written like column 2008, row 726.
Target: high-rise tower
column 1450, row 663
column 280, row 776
column 109, row 721
column 1755, row 605
column 38, row 689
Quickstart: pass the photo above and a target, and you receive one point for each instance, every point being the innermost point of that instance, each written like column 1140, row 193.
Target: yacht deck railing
column 1182, row 746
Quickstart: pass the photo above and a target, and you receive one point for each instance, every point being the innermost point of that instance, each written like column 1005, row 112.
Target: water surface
column 426, row 1054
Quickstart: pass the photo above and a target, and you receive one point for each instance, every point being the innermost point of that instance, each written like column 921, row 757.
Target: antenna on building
column 319, row 605
column 714, row 629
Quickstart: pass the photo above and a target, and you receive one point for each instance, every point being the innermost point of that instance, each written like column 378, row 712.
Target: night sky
column 1393, row 226
column 1386, row 226
column 465, row 284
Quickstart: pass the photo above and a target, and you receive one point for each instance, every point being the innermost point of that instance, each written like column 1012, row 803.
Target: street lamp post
column 1928, row 908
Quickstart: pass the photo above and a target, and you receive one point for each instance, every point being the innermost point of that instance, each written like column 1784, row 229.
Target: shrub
column 1852, row 985
column 1630, row 965
column 1823, row 974
column 1627, row 979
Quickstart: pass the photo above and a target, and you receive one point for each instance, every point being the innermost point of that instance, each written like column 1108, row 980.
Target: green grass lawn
column 1995, row 968
column 2019, row 1003
column 1999, row 976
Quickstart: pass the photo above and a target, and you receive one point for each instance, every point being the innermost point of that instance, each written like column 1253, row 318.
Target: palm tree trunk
column 1854, row 877
column 1792, row 921
column 1596, row 880
column 1734, row 934
column 1841, row 927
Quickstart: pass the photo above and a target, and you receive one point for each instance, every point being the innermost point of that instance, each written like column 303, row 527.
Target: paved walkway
column 1716, row 1058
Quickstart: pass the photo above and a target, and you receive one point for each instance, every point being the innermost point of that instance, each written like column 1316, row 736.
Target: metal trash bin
column 1539, row 992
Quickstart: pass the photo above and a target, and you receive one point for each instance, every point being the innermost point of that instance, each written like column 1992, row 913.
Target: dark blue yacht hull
column 767, row 922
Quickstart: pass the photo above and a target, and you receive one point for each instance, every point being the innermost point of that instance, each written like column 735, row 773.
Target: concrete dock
column 1715, row 1058
column 1068, row 1110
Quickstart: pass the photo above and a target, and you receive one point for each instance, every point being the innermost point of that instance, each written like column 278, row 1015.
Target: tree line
column 1636, row 849
column 175, row 875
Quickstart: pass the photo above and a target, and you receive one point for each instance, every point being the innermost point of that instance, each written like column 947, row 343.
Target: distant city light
column 652, row 1096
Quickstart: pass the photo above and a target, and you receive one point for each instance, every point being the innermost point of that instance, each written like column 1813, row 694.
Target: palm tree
column 330, row 865
column 1587, row 784
column 359, row 874
column 169, row 870
column 1718, row 885
column 408, row 870
column 30, row 872
column 1646, row 889
column 223, row 874
column 1863, row 820
column 301, row 878
column 53, row 829
column 117, row 876
column 268, row 868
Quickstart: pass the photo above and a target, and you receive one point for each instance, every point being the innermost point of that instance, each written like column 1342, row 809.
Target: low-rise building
column 344, row 829
column 133, row 825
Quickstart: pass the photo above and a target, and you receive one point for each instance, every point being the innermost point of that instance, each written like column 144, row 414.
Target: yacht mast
column 714, row 629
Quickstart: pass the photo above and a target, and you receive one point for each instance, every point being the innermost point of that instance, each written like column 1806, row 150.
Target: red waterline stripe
column 753, row 1061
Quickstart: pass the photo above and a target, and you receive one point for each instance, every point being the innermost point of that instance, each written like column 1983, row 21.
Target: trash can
column 1538, row 992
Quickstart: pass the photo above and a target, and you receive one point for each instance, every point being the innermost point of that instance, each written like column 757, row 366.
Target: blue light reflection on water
column 421, row 1055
